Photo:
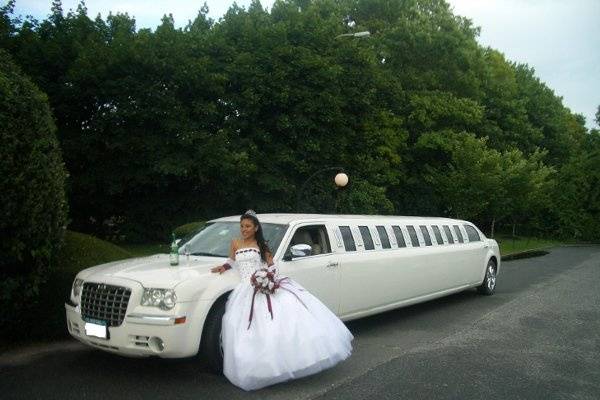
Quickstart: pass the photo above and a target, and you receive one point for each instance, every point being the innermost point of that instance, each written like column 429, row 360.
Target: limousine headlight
column 164, row 299
column 76, row 289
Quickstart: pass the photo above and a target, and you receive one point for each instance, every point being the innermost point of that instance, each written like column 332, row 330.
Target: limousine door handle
column 332, row 264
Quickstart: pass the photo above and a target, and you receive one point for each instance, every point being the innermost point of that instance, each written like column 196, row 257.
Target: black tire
column 211, row 350
column 488, row 286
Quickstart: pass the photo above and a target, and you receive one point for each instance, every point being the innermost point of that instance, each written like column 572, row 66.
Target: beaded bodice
column 247, row 260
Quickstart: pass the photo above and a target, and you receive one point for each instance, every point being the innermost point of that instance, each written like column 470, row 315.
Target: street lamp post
column 341, row 180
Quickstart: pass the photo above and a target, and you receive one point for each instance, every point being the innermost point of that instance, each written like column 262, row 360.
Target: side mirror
column 301, row 250
column 177, row 241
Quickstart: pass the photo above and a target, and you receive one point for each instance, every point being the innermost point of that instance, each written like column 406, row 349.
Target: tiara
column 250, row 212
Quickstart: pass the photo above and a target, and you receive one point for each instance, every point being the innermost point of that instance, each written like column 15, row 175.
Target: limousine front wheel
column 488, row 286
column 211, row 347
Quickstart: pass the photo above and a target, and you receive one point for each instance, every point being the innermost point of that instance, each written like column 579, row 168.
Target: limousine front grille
column 104, row 302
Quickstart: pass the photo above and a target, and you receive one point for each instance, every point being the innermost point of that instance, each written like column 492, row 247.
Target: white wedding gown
column 302, row 337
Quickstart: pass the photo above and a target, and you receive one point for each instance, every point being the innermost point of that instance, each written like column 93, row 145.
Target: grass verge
column 510, row 245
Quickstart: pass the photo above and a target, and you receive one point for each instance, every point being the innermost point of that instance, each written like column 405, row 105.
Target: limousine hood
column 154, row 271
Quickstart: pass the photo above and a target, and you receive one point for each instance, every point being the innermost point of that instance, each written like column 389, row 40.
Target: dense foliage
column 45, row 319
column 32, row 195
column 173, row 125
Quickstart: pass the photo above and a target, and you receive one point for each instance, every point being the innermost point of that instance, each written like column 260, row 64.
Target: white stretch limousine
column 356, row 265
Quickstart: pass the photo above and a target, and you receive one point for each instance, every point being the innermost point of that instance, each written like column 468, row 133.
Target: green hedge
column 33, row 207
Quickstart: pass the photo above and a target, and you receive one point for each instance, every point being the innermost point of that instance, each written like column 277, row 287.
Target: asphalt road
column 538, row 337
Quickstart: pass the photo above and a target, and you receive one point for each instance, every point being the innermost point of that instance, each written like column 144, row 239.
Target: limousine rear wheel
column 211, row 348
column 488, row 286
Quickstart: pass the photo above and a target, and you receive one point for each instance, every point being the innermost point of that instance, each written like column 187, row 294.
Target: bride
column 273, row 338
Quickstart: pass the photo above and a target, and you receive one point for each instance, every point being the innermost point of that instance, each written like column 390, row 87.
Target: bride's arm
column 222, row 268
column 269, row 258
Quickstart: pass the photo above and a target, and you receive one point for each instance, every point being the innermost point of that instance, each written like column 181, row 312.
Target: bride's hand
column 220, row 269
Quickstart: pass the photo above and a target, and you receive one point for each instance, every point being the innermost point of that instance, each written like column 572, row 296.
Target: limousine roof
column 289, row 218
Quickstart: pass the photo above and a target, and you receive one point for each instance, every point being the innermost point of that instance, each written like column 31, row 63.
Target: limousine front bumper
column 142, row 334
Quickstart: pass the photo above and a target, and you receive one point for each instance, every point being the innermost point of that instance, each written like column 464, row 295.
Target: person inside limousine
column 274, row 336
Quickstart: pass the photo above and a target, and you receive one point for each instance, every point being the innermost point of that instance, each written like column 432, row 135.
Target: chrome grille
column 104, row 302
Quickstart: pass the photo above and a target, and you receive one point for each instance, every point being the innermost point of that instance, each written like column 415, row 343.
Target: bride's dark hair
column 260, row 239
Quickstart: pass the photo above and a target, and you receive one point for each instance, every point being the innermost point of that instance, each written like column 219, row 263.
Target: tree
column 161, row 127
column 562, row 132
column 506, row 120
column 524, row 183
column 7, row 24
column 469, row 181
column 576, row 196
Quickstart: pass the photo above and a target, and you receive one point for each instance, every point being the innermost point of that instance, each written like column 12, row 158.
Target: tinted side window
column 426, row 236
column 385, row 240
column 448, row 234
column 458, row 233
column 399, row 236
column 438, row 234
column 349, row 244
column 366, row 236
column 472, row 234
column 413, row 235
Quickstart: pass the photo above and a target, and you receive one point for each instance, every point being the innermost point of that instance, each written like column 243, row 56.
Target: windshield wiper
column 200, row 253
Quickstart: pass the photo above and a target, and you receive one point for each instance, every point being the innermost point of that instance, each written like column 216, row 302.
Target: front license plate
column 97, row 330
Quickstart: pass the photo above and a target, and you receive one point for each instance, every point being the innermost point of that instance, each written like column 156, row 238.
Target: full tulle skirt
column 302, row 337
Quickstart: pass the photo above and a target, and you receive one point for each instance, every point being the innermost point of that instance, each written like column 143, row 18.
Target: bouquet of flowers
column 266, row 281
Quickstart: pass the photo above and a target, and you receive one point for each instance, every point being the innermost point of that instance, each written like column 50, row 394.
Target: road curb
column 526, row 254
column 542, row 251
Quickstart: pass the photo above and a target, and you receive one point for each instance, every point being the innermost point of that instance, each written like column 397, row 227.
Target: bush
column 33, row 208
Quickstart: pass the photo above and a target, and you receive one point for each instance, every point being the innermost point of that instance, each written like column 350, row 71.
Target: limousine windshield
column 215, row 238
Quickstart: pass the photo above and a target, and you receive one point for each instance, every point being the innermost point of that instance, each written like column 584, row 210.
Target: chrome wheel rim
column 491, row 277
